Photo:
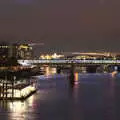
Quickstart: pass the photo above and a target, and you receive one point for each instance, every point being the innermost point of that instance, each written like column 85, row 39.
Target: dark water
column 93, row 97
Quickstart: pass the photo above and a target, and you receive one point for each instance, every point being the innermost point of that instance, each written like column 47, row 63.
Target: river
column 95, row 96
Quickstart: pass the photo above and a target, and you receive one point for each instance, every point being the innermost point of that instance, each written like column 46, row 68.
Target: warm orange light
column 76, row 77
column 114, row 73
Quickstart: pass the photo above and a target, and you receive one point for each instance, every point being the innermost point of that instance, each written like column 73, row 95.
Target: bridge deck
column 68, row 61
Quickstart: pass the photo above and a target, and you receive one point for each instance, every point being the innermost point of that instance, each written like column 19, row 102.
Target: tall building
column 13, row 50
column 4, row 50
column 19, row 51
column 25, row 51
column 4, row 53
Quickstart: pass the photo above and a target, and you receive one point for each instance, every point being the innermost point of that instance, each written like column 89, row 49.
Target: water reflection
column 4, row 104
column 47, row 71
column 76, row 77
column 73, row 88
column 17, row 107
column 93, row 97
column 17, row 110
column 50, row 71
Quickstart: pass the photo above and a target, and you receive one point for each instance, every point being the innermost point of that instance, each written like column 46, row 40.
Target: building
column 25, row 51
column 19, row 51
column 13, row 51
column 10, row 53
column 4, row 50
column 51, row 56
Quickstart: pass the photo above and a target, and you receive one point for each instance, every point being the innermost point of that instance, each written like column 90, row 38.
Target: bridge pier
column 59, row 69
column 71, row 75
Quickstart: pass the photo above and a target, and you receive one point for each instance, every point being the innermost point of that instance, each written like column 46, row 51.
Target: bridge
column 68, row 61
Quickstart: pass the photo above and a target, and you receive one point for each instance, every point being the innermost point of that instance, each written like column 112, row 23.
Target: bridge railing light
column 79, row 61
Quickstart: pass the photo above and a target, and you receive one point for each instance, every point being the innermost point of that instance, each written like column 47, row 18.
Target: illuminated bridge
column 68, row 61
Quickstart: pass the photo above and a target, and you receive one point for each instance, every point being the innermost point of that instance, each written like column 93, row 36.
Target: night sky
column 68, row 25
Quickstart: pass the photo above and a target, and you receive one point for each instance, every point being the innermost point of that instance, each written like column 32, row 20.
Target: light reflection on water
column 50, row 71
column 76, row 74
column 18, row 110
column 91, row 94
column 20, row 107
column 17, row 107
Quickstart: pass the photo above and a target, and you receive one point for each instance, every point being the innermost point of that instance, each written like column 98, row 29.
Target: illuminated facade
column 19, row 51
column 25, row 51
column 53, row 56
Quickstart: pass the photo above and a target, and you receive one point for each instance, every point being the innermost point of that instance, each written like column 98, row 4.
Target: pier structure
column 9, row 90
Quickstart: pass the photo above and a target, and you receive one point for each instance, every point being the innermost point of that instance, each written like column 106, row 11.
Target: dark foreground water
column 93, row 97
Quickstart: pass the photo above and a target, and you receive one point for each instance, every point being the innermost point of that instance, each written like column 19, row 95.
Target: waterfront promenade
column 94, row 97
